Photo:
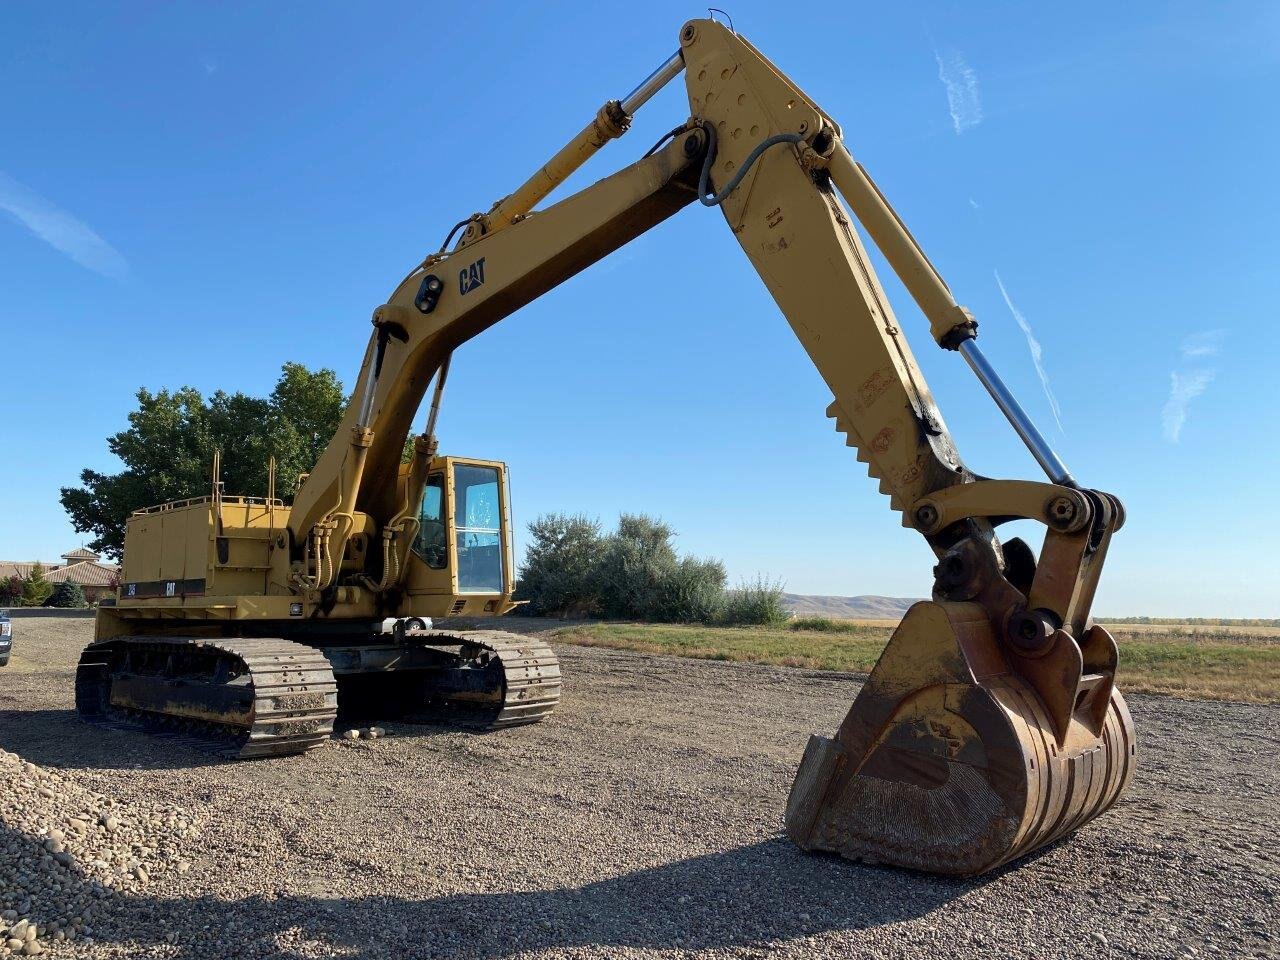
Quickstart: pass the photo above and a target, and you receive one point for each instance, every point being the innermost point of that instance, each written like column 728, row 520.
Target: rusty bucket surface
column 950, row 762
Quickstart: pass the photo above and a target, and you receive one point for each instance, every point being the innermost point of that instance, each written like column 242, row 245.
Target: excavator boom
column 991, row 724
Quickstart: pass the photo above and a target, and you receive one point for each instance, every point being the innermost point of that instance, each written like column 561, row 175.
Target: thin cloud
column 1187, row 384
column 962, row 90
column 60, row 229
column 974, row 203
column 1207, row 343
column 1183, row 388
column 1037, row 352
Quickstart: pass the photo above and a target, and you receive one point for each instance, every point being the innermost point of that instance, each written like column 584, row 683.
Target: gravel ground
column 643, row 819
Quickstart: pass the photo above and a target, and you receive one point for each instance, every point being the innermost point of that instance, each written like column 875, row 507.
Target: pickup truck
column 6, row 637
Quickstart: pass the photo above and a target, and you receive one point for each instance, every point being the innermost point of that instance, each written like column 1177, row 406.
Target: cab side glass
column 431, row 543
column 478, row 523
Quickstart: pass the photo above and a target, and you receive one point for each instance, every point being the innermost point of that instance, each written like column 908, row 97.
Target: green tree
column 693, row 591
column 557, row 576
column 36, row 586
column 636, row 560
column 66, row 595
column 168, row 449
column 312, row 402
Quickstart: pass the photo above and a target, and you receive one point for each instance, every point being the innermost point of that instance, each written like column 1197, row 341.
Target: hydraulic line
column 709, row 199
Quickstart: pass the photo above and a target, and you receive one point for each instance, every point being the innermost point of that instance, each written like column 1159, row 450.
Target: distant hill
column 848, row 608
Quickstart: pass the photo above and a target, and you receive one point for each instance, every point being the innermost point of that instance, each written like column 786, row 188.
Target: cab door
column 479, row 523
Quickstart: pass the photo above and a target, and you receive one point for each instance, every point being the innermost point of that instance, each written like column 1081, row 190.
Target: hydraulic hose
column 709, row 199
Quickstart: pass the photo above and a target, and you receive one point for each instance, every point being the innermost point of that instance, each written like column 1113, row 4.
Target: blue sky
column 197, row 193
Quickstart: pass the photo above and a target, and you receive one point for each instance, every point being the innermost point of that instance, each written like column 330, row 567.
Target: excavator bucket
column 949, row 760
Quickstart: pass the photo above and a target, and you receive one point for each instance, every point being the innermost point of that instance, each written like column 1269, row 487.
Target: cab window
column 431, row 543
column 478, row 521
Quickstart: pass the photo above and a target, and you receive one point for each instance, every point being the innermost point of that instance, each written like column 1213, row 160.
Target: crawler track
column 256, row 697
column 248, row 697
column 530, row 673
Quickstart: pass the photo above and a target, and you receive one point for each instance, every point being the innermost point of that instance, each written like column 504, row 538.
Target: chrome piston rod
column 932, row 294
column 651, row 84
column 1009, row 406
column 609, row 123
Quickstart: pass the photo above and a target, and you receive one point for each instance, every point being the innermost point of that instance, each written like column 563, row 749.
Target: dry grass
column 856, row 650
column 1188, row 660
column 1197, row 632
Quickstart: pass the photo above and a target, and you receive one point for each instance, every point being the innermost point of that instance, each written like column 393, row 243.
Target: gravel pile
column 68, row 854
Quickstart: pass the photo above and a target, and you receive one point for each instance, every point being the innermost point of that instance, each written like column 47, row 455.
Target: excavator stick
column 991, row 724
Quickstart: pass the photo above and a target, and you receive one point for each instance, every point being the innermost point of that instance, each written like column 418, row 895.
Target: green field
column 1218, row 662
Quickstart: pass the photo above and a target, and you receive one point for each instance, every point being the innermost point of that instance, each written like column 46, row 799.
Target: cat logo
column 471, row 277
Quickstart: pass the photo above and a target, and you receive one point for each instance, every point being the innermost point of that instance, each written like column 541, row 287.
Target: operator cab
column 464, row 527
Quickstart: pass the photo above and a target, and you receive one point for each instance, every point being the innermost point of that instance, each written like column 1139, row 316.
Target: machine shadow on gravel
column 62, row 740
column 763, row 894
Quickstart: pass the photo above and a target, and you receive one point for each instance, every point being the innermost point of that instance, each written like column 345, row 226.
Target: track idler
column 951, row 762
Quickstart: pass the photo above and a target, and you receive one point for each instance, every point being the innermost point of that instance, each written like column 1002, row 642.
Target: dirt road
column 644, row 819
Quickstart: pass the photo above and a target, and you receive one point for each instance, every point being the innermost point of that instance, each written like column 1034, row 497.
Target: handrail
column 227, row 500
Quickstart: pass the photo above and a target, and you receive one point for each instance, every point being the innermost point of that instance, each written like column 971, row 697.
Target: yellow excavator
column 991, row 724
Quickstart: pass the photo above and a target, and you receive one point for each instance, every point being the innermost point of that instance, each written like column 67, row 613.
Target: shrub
column 823, row 625
column 36, row 586
column 634, row 574
column 633, row 565
column 11, row 591
column 66, row 595
column 692, row 592
column 757, row 603
column 558, row 574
